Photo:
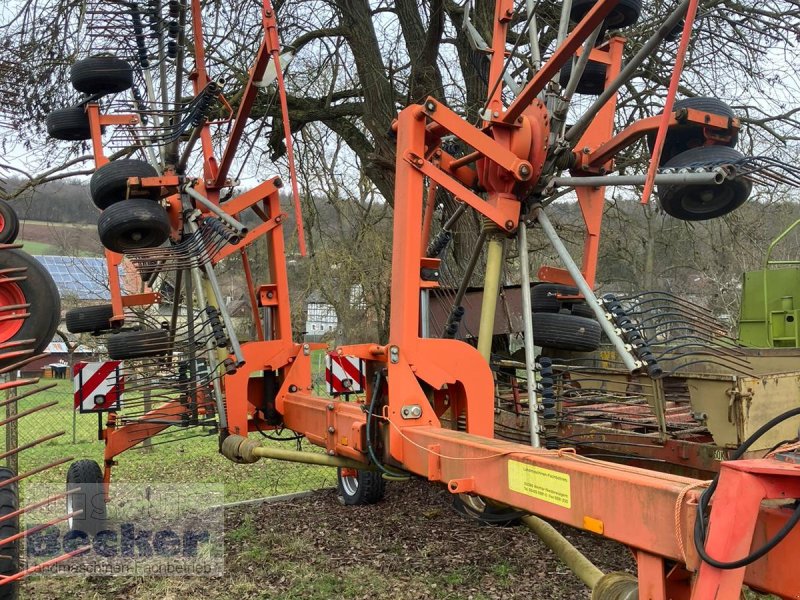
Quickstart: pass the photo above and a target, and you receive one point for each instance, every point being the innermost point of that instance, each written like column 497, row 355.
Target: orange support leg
column 735, row 530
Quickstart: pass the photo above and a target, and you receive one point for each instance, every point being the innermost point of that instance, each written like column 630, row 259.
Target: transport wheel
column 9, row 223
column 703, row 202
column 543, row 297
column 138, row 344
column 566, row 332
column 489, row 513
column 37, row 289
column 68, row 124
column 109, row 184
column 682, row 137
column 624, row 14
column 101, row 75
column 9, row 553
column 592, row 81
column 87, row 477
column 357, row 487
column 133, row 225
column 89, row 319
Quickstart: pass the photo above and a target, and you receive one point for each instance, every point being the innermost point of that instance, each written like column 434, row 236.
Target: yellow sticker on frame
column 543, row 484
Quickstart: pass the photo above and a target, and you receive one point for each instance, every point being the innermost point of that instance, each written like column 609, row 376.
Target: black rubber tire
column 10, row 223
column 9, row 553
column 581, row 309
column 138, row 344
column 41, row 292
column 101, row 75
column 675, row 34
column 682, row 137
column 369, row 488
column 592, row 81
column 88, row 477
column 68, row 124
column 543, row 296
column 488, row 514
column 704, row 202
column 133, row 225
column 88, row 319
column 109, row 183
column 565, row 332
column 624, row 14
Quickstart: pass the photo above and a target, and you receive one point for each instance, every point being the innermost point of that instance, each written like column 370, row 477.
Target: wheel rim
column 706, row 200
column 139, row 238
column 2, row 224
column 11, row 294
column 349, row 479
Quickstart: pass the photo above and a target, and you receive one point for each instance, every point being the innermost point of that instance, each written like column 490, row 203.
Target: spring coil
column 221, row 229
column 632, row 336
column 217, row 329
column 138, row 34
column 439, row 244
column 206, row 100
column 453, row 322
column 549, row 421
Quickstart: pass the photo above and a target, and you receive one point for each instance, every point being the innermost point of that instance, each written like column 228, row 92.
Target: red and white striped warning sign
column 344, row 374
column 98, row 385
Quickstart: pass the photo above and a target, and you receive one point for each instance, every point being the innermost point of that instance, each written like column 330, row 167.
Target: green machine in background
column 770, row 310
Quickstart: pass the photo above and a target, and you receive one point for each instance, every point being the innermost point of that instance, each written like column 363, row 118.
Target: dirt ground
column 413, row 545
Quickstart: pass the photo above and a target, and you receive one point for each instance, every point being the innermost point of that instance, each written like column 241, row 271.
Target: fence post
column 12, row 432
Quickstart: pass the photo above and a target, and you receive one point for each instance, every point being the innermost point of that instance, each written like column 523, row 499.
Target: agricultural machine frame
column 417, row 380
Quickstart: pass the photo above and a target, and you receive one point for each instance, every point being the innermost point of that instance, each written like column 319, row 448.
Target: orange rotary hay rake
column 428, row 406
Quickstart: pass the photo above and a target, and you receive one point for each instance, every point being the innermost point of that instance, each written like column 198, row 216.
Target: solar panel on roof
column 80, row 277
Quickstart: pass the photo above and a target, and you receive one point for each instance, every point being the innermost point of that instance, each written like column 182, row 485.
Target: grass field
column 59, row 238
column 38, row 248
column 194, row 460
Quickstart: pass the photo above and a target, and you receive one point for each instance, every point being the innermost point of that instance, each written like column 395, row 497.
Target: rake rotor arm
column 559, row 58
column 245, row 106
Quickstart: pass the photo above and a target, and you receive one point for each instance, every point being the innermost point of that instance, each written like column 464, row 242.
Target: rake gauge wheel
column 358, row 487
column 68, row 124
column 592, row 81
column 87, row 477
column 543, row 299
column 624, row 14
column 101, row 75
column 703, row 202
column 685, row 136
column 543, row 296
column 109, row 183
column 138, row 344
column 566, row 332
column 132, row 225
column 89, row 319
column 582, row 309
column 9, row 223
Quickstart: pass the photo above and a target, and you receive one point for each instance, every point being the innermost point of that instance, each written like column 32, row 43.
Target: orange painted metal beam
column 592, row 200
column 563, row 53
column 247, row 199
column 249, row 238
column 120, row 439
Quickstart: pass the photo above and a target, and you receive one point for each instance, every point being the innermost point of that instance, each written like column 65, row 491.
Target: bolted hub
column 528, row 140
